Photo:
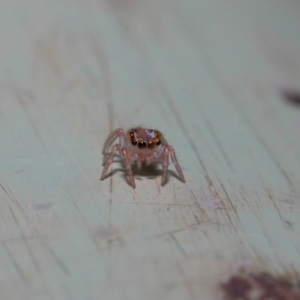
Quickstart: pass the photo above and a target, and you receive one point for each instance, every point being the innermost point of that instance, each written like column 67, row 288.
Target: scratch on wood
column 166, row 94
column 16, row 265
column 204, row 214
column 275, row 205
column 231, row 97
column 233, row 207
column 189, row 227
column 179, row 247
column 59, row 262
column 34, row 261
column 185, row 220
column 9, row 196
column 106, row 78
column 217, row 141
column 85, row 222
column 103, row 64
column 19, row 97
column 229, row 200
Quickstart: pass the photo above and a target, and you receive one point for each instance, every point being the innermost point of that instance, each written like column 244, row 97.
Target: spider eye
column 131, row 133
column 151, row 145
column 133, row 142
column 142, row 145
column 158, row 142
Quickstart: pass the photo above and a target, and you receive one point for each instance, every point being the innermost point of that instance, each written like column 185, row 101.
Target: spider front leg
column 118, row 133
column 175, row 162
column 169, row 151
column 123, row 153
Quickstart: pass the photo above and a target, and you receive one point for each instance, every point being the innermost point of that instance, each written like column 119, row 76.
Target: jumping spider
column 141, row 145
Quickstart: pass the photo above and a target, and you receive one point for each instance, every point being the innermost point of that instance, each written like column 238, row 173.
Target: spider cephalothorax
column 144, row 138
column 139, row 145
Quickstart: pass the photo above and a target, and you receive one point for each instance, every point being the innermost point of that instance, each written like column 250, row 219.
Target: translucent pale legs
column 140, row 145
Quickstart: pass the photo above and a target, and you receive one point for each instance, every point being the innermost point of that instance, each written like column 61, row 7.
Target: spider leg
column 109, row 160
column 123, row 153
column 169, row 151
column 118, row 133
column 175, row 161
column 127, row 164
column 165, row 163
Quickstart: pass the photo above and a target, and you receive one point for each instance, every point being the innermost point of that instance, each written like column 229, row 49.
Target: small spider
column 143, row 146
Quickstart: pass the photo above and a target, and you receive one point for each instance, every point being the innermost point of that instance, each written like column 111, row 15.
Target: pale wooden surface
column 208, row 75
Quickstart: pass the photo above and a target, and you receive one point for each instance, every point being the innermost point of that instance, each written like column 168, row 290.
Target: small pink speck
column 212, row 203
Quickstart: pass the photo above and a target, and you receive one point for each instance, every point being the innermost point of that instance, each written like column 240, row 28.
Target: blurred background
column 220, row 79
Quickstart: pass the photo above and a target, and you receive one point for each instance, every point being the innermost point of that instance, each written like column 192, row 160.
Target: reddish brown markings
column 236, row 287
column 291, row 95
column 263, row 285
column 276, row 288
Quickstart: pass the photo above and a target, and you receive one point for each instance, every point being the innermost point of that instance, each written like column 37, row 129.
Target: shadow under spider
column 150, row 171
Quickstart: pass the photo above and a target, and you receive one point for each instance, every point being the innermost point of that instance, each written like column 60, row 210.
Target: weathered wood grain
column 209, row 75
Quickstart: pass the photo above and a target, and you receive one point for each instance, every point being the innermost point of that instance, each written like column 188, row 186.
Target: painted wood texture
column 209, row 75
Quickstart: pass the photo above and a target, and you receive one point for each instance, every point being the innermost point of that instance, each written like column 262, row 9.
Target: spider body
column 140, row 145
